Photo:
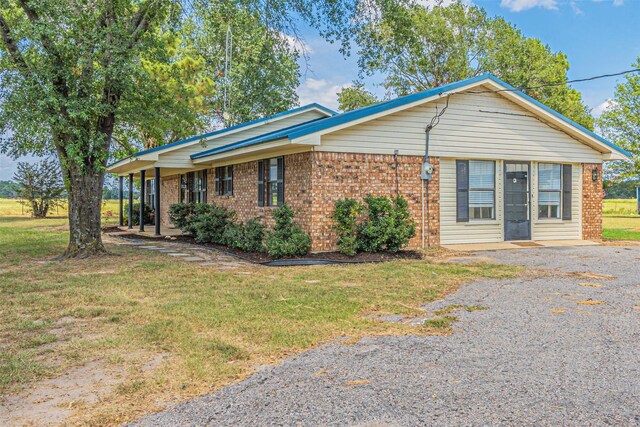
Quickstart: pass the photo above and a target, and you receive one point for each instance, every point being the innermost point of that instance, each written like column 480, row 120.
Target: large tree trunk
column 85, row 203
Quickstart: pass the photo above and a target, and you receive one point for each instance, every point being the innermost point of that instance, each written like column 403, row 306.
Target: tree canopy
column 620, row 123
column 416, row 48
column 75, row 76
column 354, row 97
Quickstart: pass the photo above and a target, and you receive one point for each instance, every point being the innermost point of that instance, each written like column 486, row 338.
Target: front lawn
column 171, row 329
column 621, row 227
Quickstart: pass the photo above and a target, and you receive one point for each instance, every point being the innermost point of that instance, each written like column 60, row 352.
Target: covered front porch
column 149, row 196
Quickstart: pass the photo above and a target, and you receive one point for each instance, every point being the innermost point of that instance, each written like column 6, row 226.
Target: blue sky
column 598, row 36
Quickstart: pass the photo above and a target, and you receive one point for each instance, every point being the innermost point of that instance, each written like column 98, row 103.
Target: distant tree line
column 620, row 189
column 9, row 190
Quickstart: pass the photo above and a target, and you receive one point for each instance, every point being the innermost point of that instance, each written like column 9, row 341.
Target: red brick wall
column 313, row 183
column 169, row 194
column 340, row 175
column 591, row 202
column 297, row 190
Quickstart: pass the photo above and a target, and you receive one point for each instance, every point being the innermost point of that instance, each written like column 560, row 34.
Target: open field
column 619, row 207
column 153, row 329
column 13, row 207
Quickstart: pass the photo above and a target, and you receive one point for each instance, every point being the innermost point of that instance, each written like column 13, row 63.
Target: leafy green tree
column 263, row 73
column 70, row 74
column 620, row 123
column 9, row 190
column 73, row 75
column 354, row 97
column 418, row 48
column 40, row 185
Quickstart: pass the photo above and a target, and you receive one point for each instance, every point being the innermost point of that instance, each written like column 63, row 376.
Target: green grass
column 13, row 207
column 617, row 207
column 212, row 325
column 620, row 220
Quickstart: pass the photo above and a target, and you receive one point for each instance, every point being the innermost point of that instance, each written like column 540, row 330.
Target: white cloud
column 618, row 2
column 520, row 5
column 322, row 91
column 597, row 111
column 576, row 9
column 297, row 44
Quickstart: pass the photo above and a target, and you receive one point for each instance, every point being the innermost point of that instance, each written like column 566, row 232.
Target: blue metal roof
column 271, row 136
column 377, row 108
column 241, row 125
column 317, row 125
column 558, row 115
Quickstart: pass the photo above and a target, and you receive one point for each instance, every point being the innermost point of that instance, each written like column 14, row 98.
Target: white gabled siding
column 182, row 154
column 453, row 232
column 557, row 229
column 485, row 126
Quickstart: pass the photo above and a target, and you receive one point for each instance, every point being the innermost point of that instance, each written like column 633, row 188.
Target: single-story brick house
column 505, row 166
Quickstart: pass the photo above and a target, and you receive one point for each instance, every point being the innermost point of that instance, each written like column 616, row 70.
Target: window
column 476, row 182
column 554, row 191
column 482, row 183
column 271, row 182
column 150, row 192
column 193, row 187
column 224, row 181
column 549, row 190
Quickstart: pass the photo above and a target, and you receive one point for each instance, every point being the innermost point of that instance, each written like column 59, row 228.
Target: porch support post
column 121, row 197
column 130, row 201
column 142, row 185
column 156, row 183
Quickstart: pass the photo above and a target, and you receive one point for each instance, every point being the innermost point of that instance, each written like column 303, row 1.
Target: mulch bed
column 257, row 257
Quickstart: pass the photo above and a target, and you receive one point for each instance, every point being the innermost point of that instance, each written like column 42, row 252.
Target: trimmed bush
column 247, row 237
column 287, row 238
column 180, row 213
column 381, row 224
column 208, row 223
column 346, row 216
column 148, row 217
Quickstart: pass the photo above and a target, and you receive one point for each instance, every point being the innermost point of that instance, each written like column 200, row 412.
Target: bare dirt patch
column 52, row 401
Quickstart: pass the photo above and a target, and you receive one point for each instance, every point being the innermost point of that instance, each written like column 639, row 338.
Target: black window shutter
column 217, row 181
column 566, row 191
column 462, row 190
column 204, row 185
column 260, row 182
column 231, row 180
column 280, row 181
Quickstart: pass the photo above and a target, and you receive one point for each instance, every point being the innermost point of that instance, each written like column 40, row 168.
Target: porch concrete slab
column 474, row 247
column 559, row 243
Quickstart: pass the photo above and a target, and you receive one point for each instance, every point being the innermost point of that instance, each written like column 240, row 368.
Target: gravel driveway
column 533, row 357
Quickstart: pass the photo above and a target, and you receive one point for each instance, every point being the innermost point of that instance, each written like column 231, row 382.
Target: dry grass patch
column 590, row 302
column 590, row 285
column 212, row 327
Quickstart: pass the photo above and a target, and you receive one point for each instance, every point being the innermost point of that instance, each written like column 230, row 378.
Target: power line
column 543, row 85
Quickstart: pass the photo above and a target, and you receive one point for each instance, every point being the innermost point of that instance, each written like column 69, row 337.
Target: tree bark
column 85, row 203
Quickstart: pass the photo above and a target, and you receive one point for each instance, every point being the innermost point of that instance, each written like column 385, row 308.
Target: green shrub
column 247, row 237
column 346, row 216
column 381, row 224
column 388, row 225
column 208, row 223
column 180, row 213
column 147, row 214
column 287, row 238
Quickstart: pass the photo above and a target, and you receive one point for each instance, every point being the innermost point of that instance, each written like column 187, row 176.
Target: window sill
column 551, row 221
column 482, row 222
